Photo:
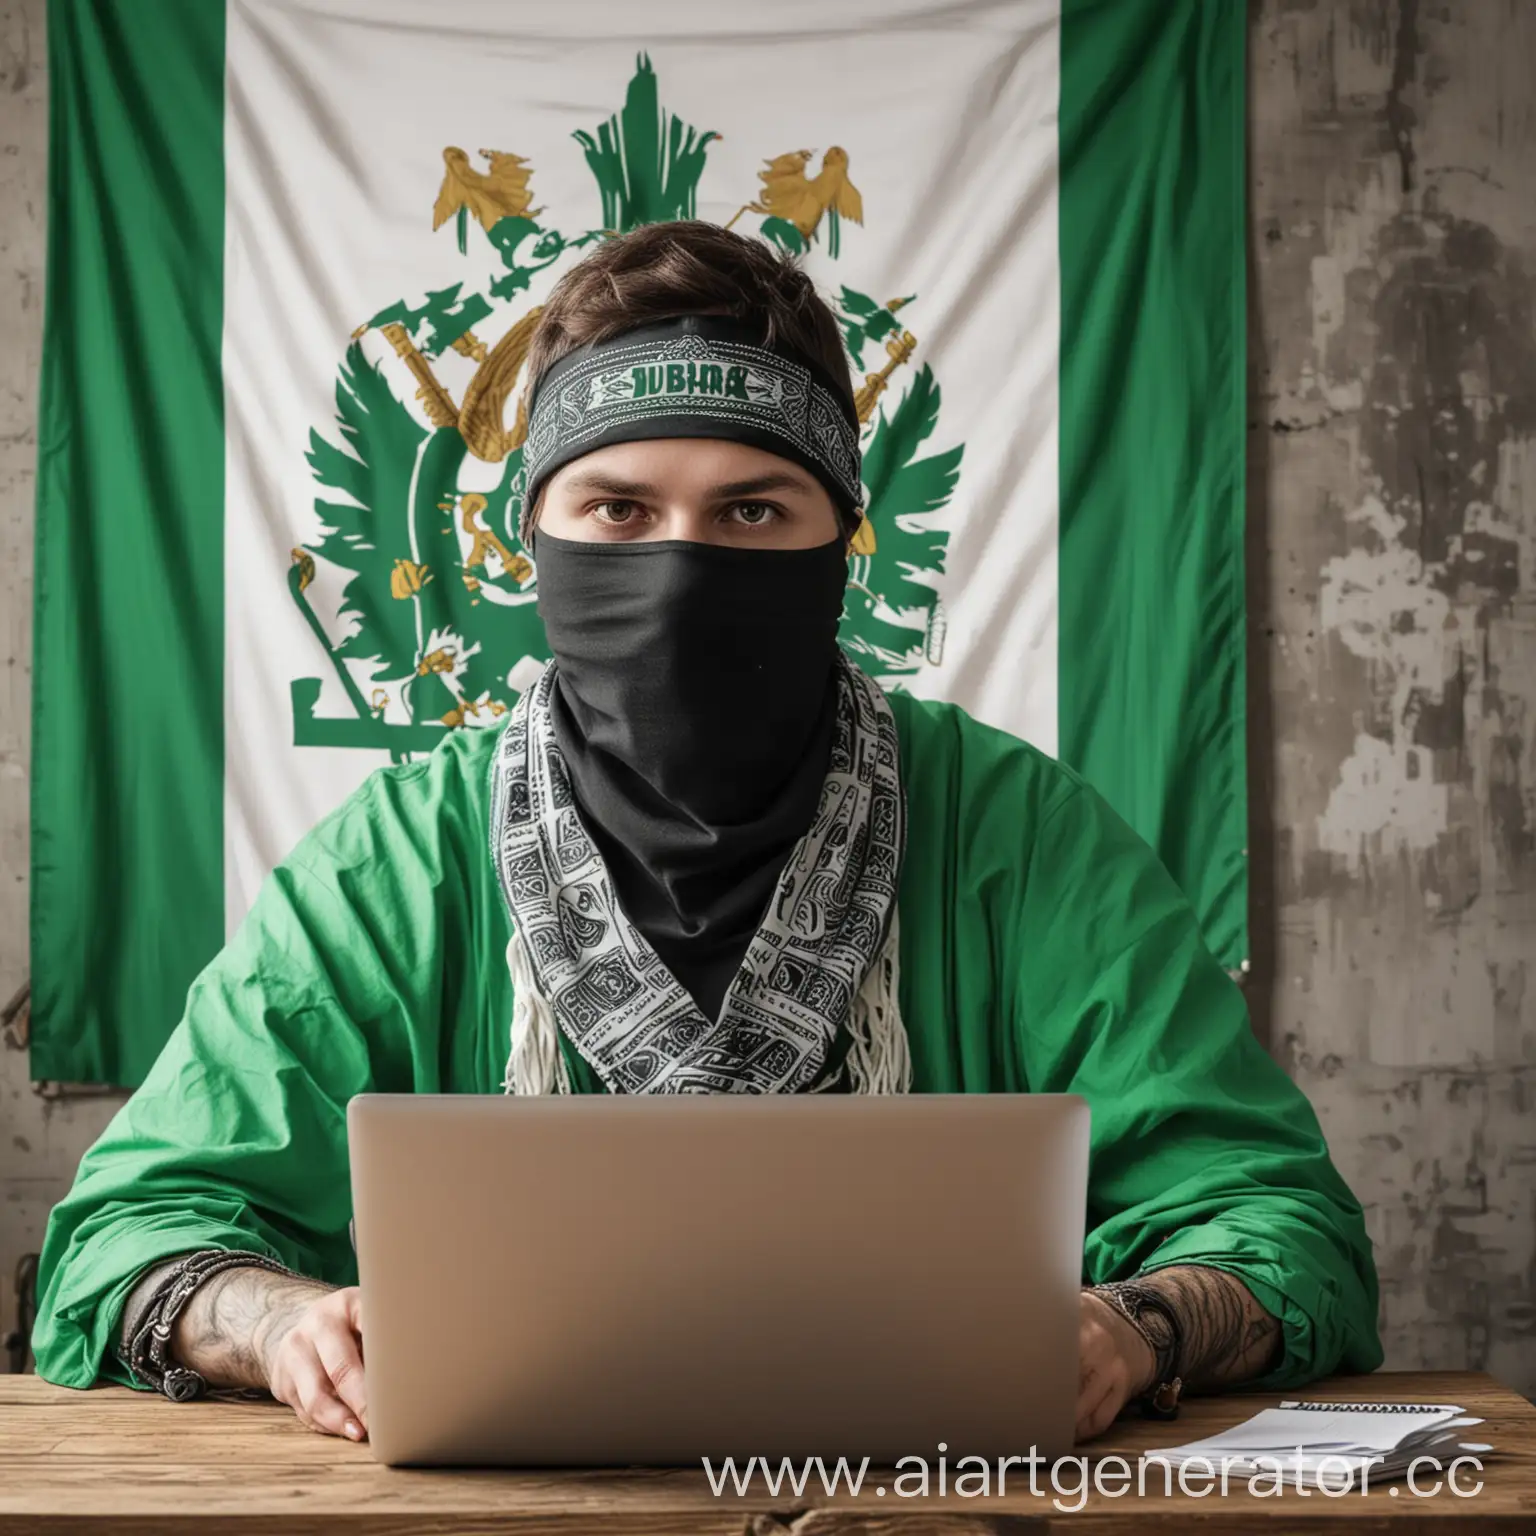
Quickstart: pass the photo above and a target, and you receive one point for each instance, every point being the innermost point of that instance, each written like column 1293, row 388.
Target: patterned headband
column 697, row 376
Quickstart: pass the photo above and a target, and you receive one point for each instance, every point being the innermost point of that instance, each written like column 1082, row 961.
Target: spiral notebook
column 1337, row 1445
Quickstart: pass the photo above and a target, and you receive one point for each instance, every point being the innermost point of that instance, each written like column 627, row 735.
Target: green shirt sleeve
column 1203, row 1149
column 237, row 1138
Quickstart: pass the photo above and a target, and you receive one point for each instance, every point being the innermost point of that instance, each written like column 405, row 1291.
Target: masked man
column 705, row 853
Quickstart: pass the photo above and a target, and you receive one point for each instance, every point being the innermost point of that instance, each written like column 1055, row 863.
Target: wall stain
column 1451, row 384
column 16, row 58
column 1397, row 113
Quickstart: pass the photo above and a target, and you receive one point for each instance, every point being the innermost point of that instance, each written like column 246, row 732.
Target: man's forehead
column 649, row 468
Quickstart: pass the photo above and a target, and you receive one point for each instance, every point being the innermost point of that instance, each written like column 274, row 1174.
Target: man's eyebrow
column 776, row 480
column 612, row 485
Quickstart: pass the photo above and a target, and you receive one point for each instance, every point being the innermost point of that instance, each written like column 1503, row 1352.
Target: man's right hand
column 300, row 1339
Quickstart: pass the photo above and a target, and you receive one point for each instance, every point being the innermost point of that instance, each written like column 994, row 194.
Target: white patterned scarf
column 822, row 963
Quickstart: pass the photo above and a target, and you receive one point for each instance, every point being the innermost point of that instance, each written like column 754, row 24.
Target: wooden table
column 115, row 1460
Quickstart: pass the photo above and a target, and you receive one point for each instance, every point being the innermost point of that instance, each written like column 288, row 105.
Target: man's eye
column 614, row 511
column 754, row 513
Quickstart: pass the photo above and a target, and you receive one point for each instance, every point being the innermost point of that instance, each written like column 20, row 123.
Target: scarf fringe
column 537, row 1064
column 878, row 1059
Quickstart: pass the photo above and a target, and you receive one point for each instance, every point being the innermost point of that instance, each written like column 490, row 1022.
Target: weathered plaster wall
column 1393, row 600
column 1393, row 516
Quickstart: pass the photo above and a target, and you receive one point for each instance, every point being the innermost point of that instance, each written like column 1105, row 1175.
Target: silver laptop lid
column 615, row 1280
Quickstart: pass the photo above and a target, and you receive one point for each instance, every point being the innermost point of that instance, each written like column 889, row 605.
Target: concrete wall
column 1393, row 610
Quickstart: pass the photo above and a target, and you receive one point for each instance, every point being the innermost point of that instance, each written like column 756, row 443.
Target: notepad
column 1332, row 1445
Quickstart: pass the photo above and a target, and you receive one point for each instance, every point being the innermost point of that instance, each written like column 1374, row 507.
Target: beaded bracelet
column 148, row 1354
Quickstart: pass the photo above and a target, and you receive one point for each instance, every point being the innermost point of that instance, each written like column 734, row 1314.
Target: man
column 705, row 854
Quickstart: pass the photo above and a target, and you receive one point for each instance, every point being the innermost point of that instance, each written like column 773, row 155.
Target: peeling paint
column 1381, row 794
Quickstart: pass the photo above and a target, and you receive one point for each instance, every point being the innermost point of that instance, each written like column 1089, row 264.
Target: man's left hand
column 1115, row 1364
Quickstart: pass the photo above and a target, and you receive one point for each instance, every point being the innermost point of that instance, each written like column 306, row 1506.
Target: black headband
column 696, row 376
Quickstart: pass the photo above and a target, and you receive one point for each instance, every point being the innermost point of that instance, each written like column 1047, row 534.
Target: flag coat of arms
column 297, row 252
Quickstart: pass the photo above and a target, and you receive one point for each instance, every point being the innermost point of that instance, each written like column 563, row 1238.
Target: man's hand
column 1115, row 1364
column 300, row 1339
column 316, row 1365
column 1226, row 1338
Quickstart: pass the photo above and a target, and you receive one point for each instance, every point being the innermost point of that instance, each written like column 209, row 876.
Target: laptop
column 611, row 1280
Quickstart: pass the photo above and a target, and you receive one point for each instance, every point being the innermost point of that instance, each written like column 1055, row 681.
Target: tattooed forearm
column 229, row 1326
column 1228, row 1337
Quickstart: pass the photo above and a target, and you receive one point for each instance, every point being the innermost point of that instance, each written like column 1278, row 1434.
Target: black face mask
column 695, row 709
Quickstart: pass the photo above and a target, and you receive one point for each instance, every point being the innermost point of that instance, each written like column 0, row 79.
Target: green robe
column 1043, row 948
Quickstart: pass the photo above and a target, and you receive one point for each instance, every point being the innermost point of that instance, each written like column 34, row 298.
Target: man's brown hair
column 686, row 267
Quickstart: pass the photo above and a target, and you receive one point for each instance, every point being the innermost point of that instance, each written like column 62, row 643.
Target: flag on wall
column 295, row 251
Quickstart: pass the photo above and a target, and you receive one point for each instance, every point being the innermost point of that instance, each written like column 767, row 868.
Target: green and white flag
column 295, row 252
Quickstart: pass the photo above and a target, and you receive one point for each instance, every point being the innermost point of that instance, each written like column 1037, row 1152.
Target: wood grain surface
column 114, row 1460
